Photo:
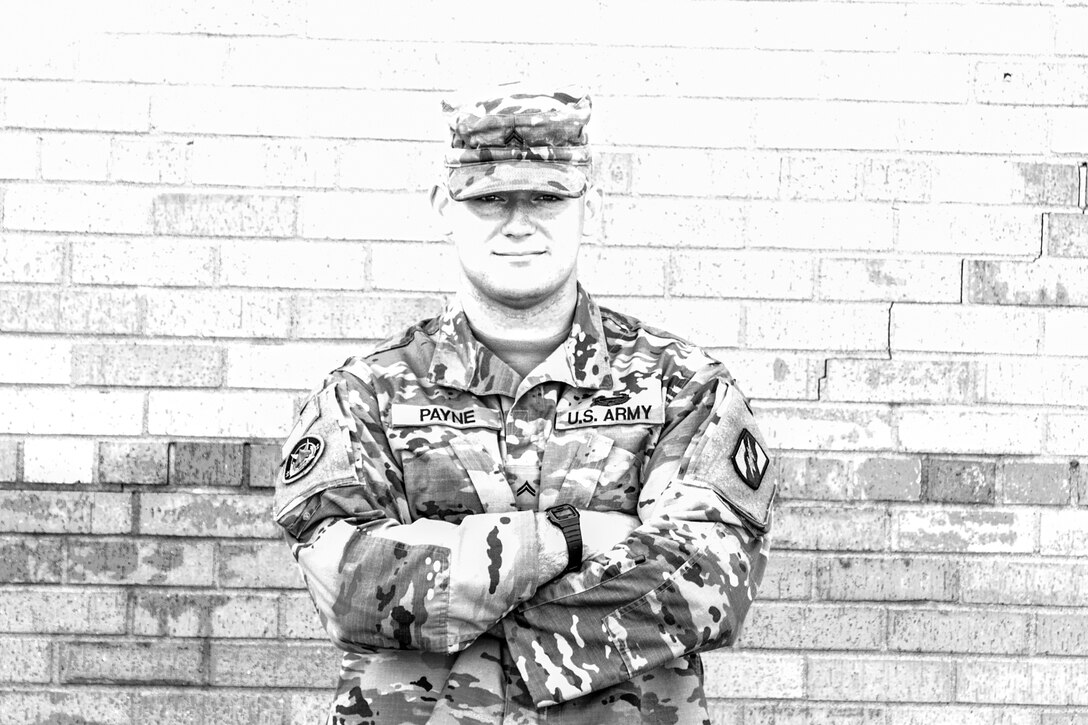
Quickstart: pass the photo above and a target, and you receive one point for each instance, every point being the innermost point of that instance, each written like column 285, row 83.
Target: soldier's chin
column 519, row 296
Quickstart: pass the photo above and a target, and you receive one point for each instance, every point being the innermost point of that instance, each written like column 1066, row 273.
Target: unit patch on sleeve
column 750, row 460
column 302, row 457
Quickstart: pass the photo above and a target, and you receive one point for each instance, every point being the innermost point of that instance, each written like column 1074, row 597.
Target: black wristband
column 567, row 518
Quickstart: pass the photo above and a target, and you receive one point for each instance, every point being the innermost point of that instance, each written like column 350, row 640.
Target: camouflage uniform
column 412, row 490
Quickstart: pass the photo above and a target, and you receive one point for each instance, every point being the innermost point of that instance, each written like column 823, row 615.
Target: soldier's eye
column 549, row 198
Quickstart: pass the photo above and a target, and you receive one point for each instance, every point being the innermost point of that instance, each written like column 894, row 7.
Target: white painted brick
column 297, row 112
column 674, row 221
column 147, row 261
column 927, row 279
column 741, row 274
column 75, row 156
column 34, row 48
column 890, row 179
column 705, row 172
column 964, row 530
column 709, row 323
column 58, row 460
column 26, row 258
column 148, row 160
column 148, row 57
column 769, row 674
column 1063, row 533
column 103, row 311
column 1065, row 332
column 430, row 19
column 71, row 412
column 1071, row 25
column 612, row 271
column 979, row 129
column 708, row 122
column 309, row 265
column 820, row 225
column 35, row 360
column 411, row 166
column 428, row 267
column 215, row 313
column 1038, row 681
column 897, row 381
column 1049, row 381
column 367, row 215
column 965, row 328
column 957, row 430
column 826, row 427
column 898, row 680
column 999, row 29
column 1067, row 434
column 775, row 375
column 888, row 77
column 220, row 414
column 111, row 210
column 861, row 26
column 1067, row 129
column 827, row 125
column 828, row 177
column 949, row 229
column 291, row 366
column 18, row 154
column 982, row 180
column 76, row 106
column 816, row 326
column 260, row 162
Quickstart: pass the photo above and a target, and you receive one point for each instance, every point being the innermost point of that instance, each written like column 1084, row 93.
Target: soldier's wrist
column 551, row 547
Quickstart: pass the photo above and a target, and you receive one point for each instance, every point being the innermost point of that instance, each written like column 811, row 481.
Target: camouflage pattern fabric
column 517, row 139
column 418, row 526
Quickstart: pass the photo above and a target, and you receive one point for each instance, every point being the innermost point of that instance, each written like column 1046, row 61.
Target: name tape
column 404, row 415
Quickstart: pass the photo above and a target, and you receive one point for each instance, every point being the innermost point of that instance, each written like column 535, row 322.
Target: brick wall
column 873, row 211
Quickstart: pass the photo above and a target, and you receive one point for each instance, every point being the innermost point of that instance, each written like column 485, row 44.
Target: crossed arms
column 678, row 578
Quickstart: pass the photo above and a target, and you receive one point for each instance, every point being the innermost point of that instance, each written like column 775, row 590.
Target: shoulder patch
column 302, row 458
column 732, row 459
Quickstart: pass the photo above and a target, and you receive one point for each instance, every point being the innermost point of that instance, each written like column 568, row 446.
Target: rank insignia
column 750, row 460
column 302, row 458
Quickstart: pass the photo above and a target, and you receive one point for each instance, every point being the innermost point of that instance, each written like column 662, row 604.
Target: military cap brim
column 558, row 178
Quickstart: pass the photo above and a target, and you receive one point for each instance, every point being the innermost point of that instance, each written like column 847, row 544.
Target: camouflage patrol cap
column 518, row 139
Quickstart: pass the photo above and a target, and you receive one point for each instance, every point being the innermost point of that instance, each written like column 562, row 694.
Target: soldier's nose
column 519, row 223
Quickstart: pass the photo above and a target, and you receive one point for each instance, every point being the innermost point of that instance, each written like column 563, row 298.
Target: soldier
column 530, row 508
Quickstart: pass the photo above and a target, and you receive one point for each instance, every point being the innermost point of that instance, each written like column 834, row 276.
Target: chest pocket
column 599, row 445
column 451, row 463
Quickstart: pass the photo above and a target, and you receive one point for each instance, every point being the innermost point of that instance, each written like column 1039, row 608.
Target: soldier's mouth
column 518, row 254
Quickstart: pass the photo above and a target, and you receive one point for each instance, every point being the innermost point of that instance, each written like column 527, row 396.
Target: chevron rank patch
column 750, row 460
column 302, row 457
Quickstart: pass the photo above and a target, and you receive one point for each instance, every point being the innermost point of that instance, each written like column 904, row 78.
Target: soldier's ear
column 594, row 206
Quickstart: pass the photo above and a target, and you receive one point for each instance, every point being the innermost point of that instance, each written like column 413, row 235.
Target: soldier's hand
column 601, row 530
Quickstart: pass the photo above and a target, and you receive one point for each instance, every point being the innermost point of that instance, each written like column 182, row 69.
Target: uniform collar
column 461, row 361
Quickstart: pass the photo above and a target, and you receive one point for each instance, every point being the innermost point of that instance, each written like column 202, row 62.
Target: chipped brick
column 130, row 462
column 206, row 464
column 950, row 480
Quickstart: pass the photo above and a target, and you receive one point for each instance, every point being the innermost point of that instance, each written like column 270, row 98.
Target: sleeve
column 378, row 578
column 683, row 581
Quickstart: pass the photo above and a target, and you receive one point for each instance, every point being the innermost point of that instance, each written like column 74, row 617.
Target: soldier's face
column 520, row 247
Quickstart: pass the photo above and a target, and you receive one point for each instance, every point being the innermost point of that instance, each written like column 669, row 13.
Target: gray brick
column 207, row 514
column 950, row 480
column 262, row 564
column 198, row 614
column 65, row 512
column 1052, row 282
column 9, row 461
column 129, row 561
column 66, row 706
column 1068, row 235
column 51, row 610
column 264, row 464
column 131, row 462
column 226, row 215
column 902, row 578
column 191, row 366
column 1032, row 482
column 24, row 660
column 206, row 464
column 1062, row 634
column 814, row 626
column 1051, row 184
column 274, row 664
column 26, row 560
column 161, row 663
column 890, row 479
column 927, row 630
column 788, row 576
